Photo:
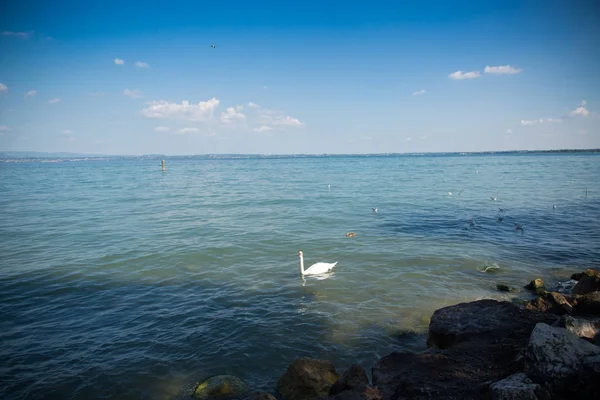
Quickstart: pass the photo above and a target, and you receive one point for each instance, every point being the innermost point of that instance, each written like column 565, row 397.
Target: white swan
column 315, row 269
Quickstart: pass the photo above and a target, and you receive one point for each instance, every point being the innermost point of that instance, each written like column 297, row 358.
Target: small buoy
column 350, row 234
column 163, row 165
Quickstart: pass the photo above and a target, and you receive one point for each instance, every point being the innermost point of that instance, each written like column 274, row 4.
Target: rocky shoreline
column 548, row 348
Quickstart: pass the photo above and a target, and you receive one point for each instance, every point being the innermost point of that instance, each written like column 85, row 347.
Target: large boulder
column 354, row 378
column 565, row 363
column 483, row 319
column 306, row 379
column 588, row 282
column 517, row 387
column 552, row 302
column 434, row 374
column 220, row 386
column 587, row 304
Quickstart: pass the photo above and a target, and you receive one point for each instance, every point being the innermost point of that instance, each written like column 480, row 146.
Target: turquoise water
column 120, row 281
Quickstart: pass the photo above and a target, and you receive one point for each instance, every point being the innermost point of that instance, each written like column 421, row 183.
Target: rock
column 355, row 378
column 558, row 358
column 537, row 285
column 517, row 387
column 435, row 374
column 588, row 282
column 582, row 327
column 588, row 304
column 576, row 276
column 505, row 288
column 552, row 302
column 261, row 396
column 306, row 379
column 220, row 386
column 484, row 319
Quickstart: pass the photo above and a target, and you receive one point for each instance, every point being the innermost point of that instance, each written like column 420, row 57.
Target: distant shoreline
column 41, row 155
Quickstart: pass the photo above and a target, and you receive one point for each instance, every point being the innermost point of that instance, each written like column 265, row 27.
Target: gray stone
column 516, row 387
column 557, row 357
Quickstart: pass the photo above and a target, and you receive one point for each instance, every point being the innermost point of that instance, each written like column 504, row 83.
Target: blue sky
column 298, row 77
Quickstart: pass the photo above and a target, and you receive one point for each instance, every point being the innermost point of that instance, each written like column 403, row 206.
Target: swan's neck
column 302, row 265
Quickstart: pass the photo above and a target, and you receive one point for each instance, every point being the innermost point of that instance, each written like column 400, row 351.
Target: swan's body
column 315, row 269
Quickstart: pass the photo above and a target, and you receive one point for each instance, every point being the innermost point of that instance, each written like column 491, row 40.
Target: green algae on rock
column 220, row 386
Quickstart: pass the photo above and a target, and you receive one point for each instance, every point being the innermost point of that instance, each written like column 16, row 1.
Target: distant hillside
column 38, row 154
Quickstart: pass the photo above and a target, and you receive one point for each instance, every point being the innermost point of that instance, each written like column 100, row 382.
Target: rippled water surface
column 120, row 281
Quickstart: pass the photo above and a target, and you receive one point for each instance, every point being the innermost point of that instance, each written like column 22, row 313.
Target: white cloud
column 185, row 131
column 583, row 103
column 133, row 93
column 581, row 111
column 239, row 108
column 4, row 128
column 509, row 131
column 541, row 121
column 67, row 132
column 22, row 35
column 286, row 121
column 502, row 70
column 271, row 118
column 3, row 87
column 118, row 61
column 230, row 116
column 460, row 75
column 141, row 64
column 31, row 93
column 185, row 111
column 419, row 92
column 162, row 129
column 54, row 101
column 253, row 105
column 262, row 128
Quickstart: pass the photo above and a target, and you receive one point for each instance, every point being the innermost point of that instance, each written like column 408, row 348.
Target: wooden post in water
column 163, row 165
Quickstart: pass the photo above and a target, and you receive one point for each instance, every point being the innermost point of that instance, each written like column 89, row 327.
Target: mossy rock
column 536, row 285
column 220, row 386
column 501, row 287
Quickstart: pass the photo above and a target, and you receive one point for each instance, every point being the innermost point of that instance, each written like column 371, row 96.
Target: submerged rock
column 505, row 288
column 355, row 378
column 564, row 362
column 537, row 285
column 306, row 379
column 220, row 386
column 517, row 387
column 588, row 282
column 552, row 302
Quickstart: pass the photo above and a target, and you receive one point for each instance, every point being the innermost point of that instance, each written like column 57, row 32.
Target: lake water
column 120, row 281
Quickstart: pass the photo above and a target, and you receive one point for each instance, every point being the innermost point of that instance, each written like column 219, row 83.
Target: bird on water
column 315, row 269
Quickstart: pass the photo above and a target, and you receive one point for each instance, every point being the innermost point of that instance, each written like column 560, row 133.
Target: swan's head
column 300, row 254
